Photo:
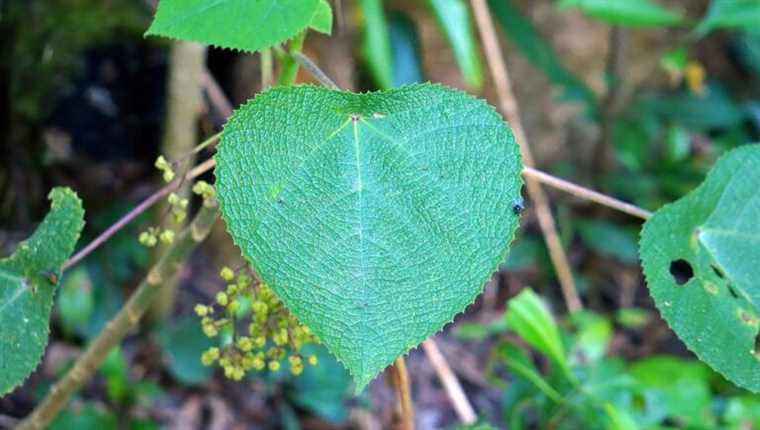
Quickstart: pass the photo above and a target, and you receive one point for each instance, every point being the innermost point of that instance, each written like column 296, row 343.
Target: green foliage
column 711, row 110
column 240, row 24
column 121, row 390
column 183, row 342
column 405, row 45
column 88, row 416
column 322, row 389
column 529, row 316
column 609, row 240
column 376, row 43
column 540, row 53
column 604, row 392
column 374, row 217
column 28, row 280
column 680, row 388
column 75, row 301
column 701, row 256
column 733, row 14
column 454, row 19
column 629, row 13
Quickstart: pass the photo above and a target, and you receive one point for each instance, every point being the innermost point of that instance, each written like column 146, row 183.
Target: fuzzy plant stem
column 289, row 67
column 183, row 106
column 126, row 320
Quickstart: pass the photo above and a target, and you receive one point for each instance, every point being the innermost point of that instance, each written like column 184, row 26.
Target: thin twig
column 401, row 384
column 137, row 210
column 311, row 67
column 125, row 320
column 508, row 105
column 586, row 193
column 288, row 66
column 216, row 95
column 267, row 74
column 450, row 382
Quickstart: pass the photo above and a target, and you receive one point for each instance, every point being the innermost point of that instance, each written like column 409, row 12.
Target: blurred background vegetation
column 634, row 98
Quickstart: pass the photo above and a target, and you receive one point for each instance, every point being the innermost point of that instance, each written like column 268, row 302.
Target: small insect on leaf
column 518, row 206
column 52, row 277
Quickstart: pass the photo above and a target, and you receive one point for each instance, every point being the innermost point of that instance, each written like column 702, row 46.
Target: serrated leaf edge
column 670, row 206
column 360, row 380
column 56, row 196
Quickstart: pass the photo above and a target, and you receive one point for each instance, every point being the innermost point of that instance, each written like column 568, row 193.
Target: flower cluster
column 264, row 332
column 165, row 167
column 177, row 207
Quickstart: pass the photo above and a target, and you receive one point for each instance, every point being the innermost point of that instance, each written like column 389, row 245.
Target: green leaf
column 681, row 387
column 116, row 373
column 714, row 109
column 375, row 217
column 87, row 416
column 519, row 363
column 183, row 342
column 529, row 316
column 701, row 258
column 593, row 334
column 323, row 18
column 454, row 18
column 239, row 24
column 629, row 13
column 540, row 53
column 619, row 418
column 75, row 301
column 609, row 239
column 376, row 43
column 733, row 14
column 324, row 388
column 28, row 279
column 407, row 67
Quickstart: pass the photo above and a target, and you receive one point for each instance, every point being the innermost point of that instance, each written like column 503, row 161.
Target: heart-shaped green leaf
column 240, row 24
column 701, row 258
column 28, row 280
column 375, row 217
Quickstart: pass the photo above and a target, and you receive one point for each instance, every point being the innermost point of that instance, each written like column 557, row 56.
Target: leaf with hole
column 240, row 24
column 28, row 280
column 375, row 217
column 701, row 258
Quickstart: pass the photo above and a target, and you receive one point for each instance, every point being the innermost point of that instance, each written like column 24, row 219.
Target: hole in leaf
column 681, row 271
column 732, row 292
column 718, row 272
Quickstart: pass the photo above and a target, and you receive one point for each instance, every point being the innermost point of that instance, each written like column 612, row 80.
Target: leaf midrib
column 362, row 262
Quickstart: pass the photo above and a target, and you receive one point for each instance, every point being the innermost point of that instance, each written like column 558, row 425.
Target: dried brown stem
column 462, row 406
column 405, row 407
column 586, row 193
column 508, row 106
